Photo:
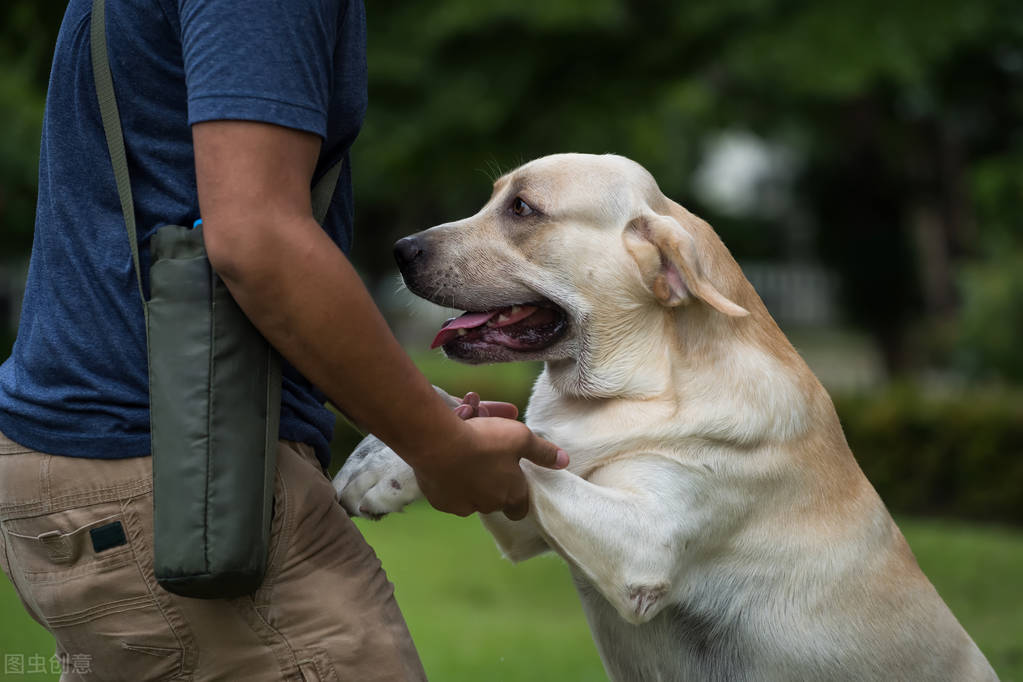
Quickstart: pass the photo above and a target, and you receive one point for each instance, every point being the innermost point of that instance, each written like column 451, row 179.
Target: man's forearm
column 302, row 293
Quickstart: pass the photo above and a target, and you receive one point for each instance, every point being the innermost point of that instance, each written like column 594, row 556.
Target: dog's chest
column 593, row 431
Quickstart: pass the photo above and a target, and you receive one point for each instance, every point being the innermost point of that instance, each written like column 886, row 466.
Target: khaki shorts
column 325, row 611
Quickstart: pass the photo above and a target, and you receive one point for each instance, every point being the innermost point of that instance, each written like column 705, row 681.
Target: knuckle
column 488, row 507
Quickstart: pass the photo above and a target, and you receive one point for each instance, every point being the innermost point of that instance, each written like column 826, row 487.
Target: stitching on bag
column 266, row 406
column 209, row 416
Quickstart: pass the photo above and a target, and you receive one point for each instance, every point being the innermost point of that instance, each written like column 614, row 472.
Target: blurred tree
column 905, row 116
column 28, row 31
column 891, row 106
column 991, row 326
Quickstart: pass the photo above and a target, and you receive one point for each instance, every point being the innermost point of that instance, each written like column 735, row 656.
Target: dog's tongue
column 505, row 316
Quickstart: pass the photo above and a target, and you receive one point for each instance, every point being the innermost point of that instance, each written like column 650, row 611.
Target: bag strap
column 112, row 130
column 322, row 192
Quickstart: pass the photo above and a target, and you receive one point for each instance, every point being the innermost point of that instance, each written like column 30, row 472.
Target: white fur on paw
column 374, row 481
column 390, row 494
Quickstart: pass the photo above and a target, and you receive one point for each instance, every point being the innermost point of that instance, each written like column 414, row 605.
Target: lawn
column 477, row 618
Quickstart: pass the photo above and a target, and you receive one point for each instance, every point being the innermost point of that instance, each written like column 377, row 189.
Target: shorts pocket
column 79, row 571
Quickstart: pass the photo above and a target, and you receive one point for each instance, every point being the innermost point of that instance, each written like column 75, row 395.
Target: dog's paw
column 374, row 481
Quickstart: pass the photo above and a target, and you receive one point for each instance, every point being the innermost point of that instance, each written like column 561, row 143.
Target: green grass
column 978, row 571
column 477, row 618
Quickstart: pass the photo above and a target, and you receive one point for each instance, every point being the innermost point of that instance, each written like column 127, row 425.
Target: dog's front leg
column 517, row 540
column 626, row 528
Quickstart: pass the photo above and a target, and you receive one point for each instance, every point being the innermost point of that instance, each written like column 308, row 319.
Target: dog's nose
column 407, row 250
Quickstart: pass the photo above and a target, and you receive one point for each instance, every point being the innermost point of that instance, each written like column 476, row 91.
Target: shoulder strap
column 321, row 193
column 112, row 128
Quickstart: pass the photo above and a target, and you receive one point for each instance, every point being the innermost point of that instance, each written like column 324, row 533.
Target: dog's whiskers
column 493, row 170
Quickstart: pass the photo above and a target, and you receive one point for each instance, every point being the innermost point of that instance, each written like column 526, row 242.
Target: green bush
column 953, row 455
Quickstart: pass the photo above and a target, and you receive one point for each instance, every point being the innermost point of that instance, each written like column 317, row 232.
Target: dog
column 715, row 522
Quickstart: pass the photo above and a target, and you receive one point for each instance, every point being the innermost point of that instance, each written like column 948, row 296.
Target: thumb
column 546, row 454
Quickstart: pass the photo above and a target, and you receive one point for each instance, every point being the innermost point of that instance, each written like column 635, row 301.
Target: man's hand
column 374, row 481
column 481, row 473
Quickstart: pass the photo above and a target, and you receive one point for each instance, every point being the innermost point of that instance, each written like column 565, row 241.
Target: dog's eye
column 520, row 208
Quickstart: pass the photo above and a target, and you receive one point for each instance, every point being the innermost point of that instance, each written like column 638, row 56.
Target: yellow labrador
column 714, row 519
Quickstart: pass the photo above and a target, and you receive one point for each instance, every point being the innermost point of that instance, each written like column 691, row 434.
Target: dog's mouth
column 523, row 328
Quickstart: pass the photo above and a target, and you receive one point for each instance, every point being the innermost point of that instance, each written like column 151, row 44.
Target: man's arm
column 301, row 292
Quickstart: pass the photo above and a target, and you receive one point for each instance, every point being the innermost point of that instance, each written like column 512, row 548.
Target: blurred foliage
column 6, row 342
column 954, row 455
column 905, row 116
column 905, row 120
column 21, row 117
column 28, row 31
column 991, row 324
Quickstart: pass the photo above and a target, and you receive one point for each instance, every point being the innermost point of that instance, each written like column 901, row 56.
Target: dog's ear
column 666, row 254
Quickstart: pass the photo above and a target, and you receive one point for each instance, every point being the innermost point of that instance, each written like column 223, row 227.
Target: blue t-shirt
column 76, row 382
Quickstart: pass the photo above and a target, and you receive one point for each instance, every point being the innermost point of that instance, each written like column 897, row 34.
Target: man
column 230, row 113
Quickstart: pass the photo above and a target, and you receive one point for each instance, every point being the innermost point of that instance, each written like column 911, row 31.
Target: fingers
column 546, row 454
column 485, row 461
column 472, row 406
column 441, row 499
column 517, row 505
column 498, row 409
column 517, row 511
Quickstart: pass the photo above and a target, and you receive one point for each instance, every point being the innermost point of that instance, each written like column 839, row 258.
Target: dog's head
column 569, row 260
